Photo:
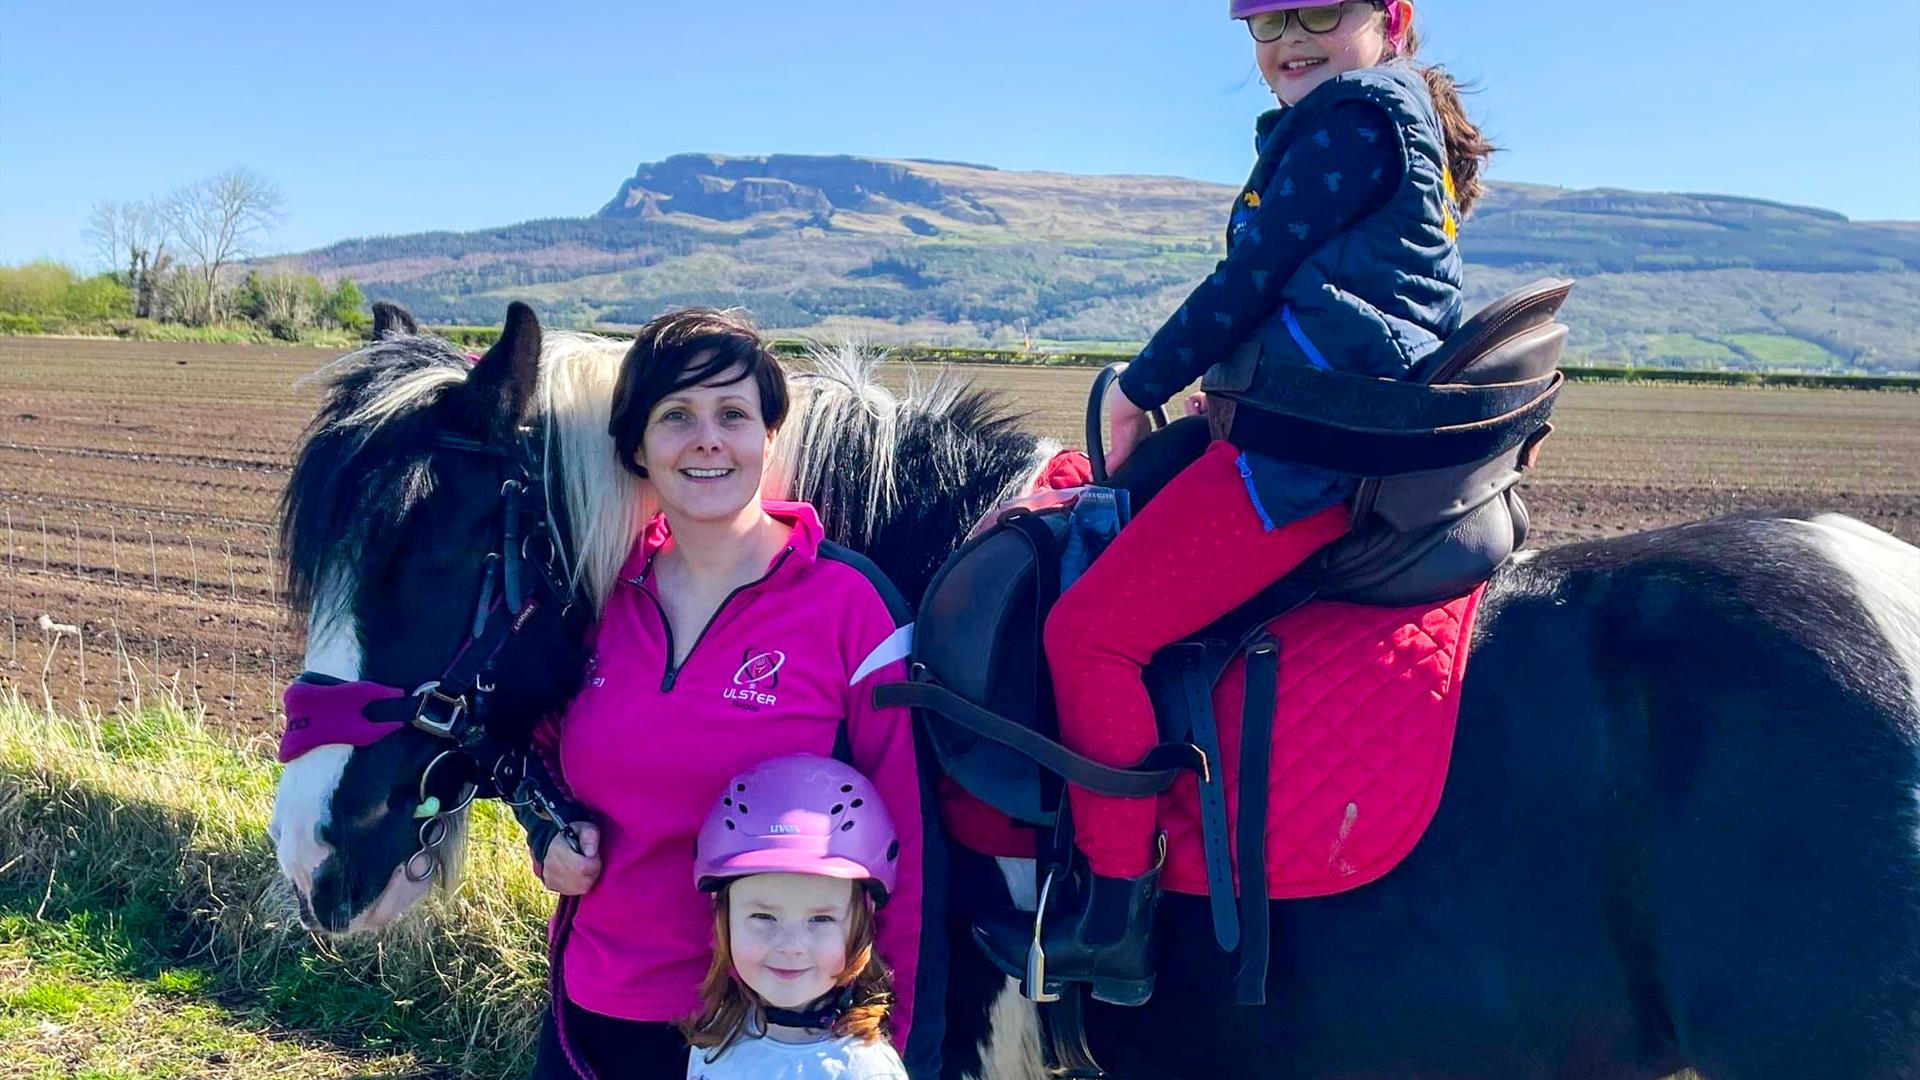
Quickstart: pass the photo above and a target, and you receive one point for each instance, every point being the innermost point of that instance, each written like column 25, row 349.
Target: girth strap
column 1198, row 672
column 1151, row 775
column 1256, row 759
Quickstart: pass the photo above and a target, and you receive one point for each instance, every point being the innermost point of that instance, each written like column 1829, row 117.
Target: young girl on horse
column 1340, row 255
column 798, row 852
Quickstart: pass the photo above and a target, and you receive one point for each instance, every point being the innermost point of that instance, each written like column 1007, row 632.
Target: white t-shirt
column 844, row 1058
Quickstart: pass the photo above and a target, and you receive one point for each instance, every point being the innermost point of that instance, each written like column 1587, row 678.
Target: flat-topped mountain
column 950, row 253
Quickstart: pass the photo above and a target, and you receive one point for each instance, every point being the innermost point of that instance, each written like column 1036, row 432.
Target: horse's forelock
column 361, row 465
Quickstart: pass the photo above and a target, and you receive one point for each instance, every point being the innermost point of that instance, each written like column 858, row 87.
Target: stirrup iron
column 1034, row 988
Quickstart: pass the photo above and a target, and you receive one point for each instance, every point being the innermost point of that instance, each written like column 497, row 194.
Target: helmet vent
column 857, row 803
column 847, row 826
column 730, row 823
column 837, row 807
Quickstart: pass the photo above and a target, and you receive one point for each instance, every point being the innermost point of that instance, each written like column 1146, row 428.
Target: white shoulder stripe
column 897, row 646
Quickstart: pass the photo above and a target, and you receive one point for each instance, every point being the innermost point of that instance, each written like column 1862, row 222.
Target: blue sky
column 400, row 117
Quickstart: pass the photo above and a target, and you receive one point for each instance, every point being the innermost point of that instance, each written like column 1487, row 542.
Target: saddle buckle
column 1036, row 980
column 456, row 704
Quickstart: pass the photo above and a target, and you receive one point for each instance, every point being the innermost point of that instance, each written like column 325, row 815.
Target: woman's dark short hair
column 686, row 348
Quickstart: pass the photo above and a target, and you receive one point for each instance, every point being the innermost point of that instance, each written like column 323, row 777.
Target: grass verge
column 139, row 894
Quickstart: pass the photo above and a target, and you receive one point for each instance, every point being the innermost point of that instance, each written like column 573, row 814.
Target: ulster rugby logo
column 756, row 678
column 760, row 670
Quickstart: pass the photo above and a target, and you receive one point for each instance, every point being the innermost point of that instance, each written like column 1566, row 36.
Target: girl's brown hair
column 1467, row 146
column 730, row 1010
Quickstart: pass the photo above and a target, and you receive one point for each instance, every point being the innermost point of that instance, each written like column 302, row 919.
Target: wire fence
column 115, row 609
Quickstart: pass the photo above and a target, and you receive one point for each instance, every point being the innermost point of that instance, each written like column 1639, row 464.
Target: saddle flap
column 985, row 606
column 980, row 637
column 1420, row 500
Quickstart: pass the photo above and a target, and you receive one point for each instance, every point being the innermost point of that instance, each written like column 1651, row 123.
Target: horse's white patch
column 399, row 895
column 1012, row 1050
column 1886, row 581
column 301, row 807
column 303, row 803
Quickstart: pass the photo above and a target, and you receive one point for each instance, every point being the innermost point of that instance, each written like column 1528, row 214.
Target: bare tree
column 134, row 232
column 216, row 222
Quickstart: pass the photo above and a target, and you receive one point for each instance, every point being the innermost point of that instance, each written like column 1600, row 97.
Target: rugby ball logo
column 760, row 668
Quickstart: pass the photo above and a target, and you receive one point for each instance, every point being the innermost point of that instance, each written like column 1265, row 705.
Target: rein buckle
column 456, row 704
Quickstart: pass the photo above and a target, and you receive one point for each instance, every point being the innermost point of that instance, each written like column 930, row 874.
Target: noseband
column 485, row 701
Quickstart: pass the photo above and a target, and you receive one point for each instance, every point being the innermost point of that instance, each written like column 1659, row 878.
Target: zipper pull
column 673, row 676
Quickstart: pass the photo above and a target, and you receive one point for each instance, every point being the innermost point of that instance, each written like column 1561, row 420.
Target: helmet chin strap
column 821, row 1014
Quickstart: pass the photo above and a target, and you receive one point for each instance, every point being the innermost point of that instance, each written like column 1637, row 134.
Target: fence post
column 233, row 638
column 120, row 669
column 13, row 580
column 193, row 638
column 273, row 637
column 153, row 558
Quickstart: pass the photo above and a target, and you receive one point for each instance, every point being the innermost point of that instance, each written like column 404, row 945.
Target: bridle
column 484, row 702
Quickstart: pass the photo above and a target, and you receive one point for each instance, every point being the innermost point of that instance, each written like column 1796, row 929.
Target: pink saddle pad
column 1362, row 737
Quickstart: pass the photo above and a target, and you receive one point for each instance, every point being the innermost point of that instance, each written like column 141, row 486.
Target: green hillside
column 952, row 254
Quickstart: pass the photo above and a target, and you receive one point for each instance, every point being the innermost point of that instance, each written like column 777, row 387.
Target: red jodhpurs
column 1195, row 553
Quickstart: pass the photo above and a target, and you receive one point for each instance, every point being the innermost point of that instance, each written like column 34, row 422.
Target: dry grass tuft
column 144, row 832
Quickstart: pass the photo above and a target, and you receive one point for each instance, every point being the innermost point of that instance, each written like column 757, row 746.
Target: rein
column 527, row 589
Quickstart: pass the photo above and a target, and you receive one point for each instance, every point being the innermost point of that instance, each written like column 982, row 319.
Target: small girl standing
column 798, row 853
column 1340, row 256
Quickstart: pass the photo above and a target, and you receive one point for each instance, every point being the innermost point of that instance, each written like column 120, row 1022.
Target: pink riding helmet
column 799, row 814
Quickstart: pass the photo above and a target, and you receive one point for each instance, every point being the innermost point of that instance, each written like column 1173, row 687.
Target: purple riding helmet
column 1247, row 9
column 799, row 814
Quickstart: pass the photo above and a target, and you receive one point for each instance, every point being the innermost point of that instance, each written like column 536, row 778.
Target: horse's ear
column 503, row 380
column 392, row 320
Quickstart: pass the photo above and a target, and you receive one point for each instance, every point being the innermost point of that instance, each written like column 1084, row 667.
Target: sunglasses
column 1272, row 25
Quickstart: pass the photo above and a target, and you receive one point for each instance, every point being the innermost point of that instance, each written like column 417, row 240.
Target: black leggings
column 614, row 1049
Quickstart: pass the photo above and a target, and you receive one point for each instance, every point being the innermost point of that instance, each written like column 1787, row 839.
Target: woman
column 736, row 633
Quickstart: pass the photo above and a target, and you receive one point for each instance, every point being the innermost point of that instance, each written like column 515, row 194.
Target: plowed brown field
column 139, row 484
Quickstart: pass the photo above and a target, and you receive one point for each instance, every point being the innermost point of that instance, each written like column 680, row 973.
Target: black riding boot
column 1094, row 929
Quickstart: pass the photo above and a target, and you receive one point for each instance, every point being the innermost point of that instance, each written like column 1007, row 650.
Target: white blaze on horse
column 1681, row 824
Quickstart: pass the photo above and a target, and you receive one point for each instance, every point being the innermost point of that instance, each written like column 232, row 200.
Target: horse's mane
column 899, row 477
column 606, row 504
column 362, row 464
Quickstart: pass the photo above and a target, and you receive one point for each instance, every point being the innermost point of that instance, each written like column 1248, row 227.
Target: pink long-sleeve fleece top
column 647, row 747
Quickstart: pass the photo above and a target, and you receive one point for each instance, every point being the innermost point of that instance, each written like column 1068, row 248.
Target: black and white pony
column 1682, row 826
